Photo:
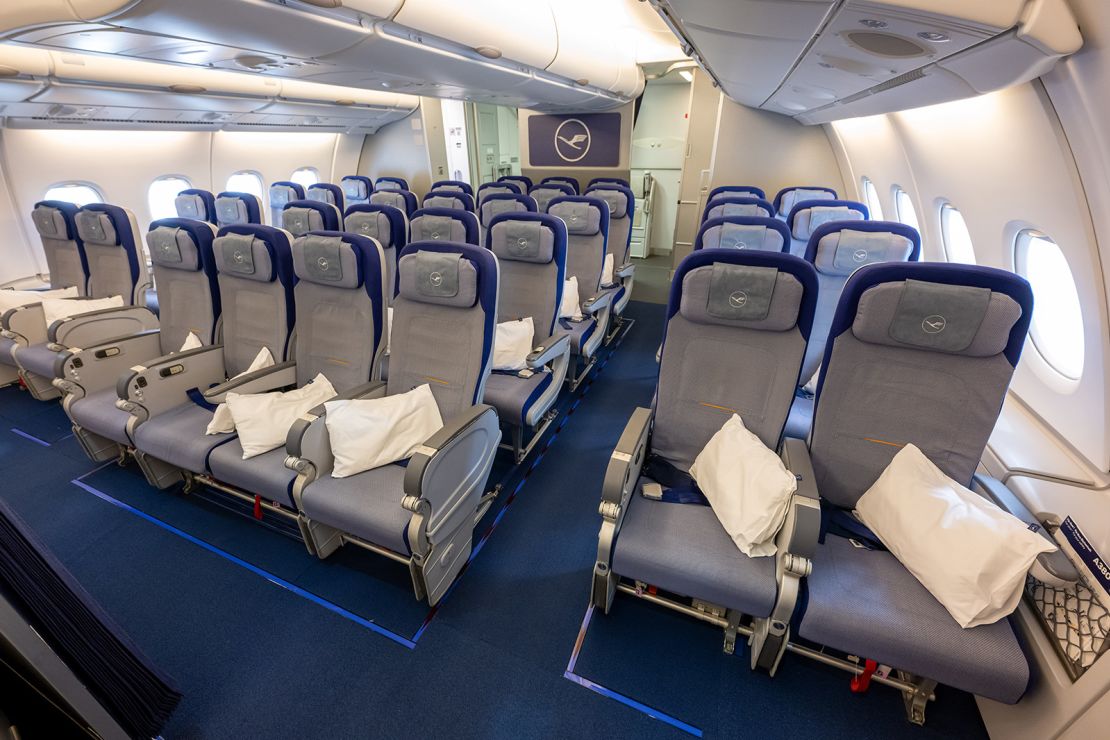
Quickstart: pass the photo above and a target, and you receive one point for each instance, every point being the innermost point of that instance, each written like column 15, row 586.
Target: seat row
column 748, row 200
column 916, row 354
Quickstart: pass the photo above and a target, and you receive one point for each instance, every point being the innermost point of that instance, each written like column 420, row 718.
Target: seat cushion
column 178, row 437
column 800, row 420
column 6, row 352
column 513, row 395
column 580, row 333
column 684, row 549
column 98, row 414
column 37, row 359
column 367, row 505
column 865, row 603
column 265, row 474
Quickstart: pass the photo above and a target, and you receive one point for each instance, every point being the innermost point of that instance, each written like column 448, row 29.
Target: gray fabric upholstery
column 580, row 333
column 367, row 505
column 797, row 195
column 828, row 296
column 684, row 549
column 231, row 210
column 778, row 296
column 620, row 223
column 543, row 196
column 585, row 257
column 190, row 205
column 96, row 227
column 63, row 259
column 374, row 225
column 529, row 276
column 495, row 189
column 388, row 198
column 491, row 208
column 254, row 315
column 354, row 191
column 279, row 196
column 865, row 603
column 737, row 209
column 444, row 201
column 582, row 219
column 178, row 437
column 243, row 256
column 321, row 195
column 437, row 228
column 109, row 267
column 443, row 279
column 522, row 241
column 6, row 352
column 185, row 297
column 742, row 236
column 299, row 221
column 38, row 359
column 807, row 220
column 97, row 413
column 265, row 474
column 512, row 395
column 326, row 260
column 800, row 420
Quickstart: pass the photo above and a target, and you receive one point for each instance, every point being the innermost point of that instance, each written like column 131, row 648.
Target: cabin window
column 871, row 197
column 245, row 182
column 957, row 239
column 905, row 212
column 161, row 194
column 77, row 193
column 1057, row 325
column 306, row 176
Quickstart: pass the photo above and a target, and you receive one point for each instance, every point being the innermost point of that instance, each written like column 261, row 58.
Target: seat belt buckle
column 258, row 507
column 862, row 682
column 652, row 490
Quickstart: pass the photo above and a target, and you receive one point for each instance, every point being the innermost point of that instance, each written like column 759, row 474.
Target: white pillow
column 10, row 299
column 512, row 343
column 971, row 555
column 222, row 423
column 747, row 486
column 571, row 306
column 61, row 308
column 607, row 270
column 263, row 419
column 369, row 433
column 811, row 385
column 191, row 342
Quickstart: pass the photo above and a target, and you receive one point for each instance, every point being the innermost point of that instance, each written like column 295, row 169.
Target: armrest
column 81, row 371
column 297, row 442
column 625, row 464
column 1053, row 568
column 548, row 350
column 445, row 475
column 264, row 380
column 161, row 384
column 25, row 325
column 95, row 327
column 802, row 526
column 624, row 271
column 597, row 302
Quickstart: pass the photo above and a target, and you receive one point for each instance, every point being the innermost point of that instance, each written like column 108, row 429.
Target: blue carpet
column 255, row 658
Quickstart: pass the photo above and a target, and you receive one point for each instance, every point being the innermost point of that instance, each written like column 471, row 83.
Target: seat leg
column 42, row 389
column 159, row 474
column 616, row 323
column 320, row 539
column 915, row 700
column 99, row 449
column 576, row 375
column 434, row 571
column 518, row 446
column 733, row 618
column 8, row 375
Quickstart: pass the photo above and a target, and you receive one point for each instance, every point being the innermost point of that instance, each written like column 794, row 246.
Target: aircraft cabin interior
column 554, row 369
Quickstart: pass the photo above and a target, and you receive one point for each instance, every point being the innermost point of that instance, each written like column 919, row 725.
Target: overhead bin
column 23, row 72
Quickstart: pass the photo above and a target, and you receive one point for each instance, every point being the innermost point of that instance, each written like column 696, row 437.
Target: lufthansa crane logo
column 934, row 324
column 572, row 140
column 859, row 255
column 739, row 299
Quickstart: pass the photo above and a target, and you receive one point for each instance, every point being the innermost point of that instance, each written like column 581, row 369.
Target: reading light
column 686, row 75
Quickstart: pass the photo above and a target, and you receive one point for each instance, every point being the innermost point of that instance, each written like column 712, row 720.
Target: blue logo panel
column 581, row 140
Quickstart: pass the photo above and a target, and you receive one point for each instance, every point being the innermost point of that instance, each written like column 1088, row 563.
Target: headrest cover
column 497, row 206
column 444, row 279
column 954, row 319
column 299, row 221
column 498, row 188
column 354, row 188
column 373, row 224
column 281, row 194
column 450, row 188
column 384, row 184
column 326, row 260
column 190, row 206
column 737, row 209
column 96, row 227
column 438, row 228
column 323, row 195
column 231, row 211
column 739, row 236
column 798, row 195
column 523, row 241
column 445, row 201
column 616, row 200
column 845, row 251
column 743, row 296
column 390, row 197
column 580, row 218
column 243, row 256
column 173, row 248
column 49, row 222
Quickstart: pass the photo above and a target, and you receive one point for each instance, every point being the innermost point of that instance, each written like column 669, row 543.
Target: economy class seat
column 807, row 215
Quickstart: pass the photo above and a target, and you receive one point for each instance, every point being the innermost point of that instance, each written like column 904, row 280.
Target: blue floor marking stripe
column 31, row 437
column 276, row 580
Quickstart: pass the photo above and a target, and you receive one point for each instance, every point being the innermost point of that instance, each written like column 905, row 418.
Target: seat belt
column 841, row 523
column 677, row 487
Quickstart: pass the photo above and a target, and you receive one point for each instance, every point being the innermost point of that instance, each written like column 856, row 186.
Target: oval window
column 161, row 194
column 77, row 193
column 305, row 176
column 1057, row 325
column 245, row 182
column 871, row 197
column 957, row 239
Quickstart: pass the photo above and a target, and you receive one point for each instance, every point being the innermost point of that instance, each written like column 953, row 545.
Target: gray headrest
column 497, row 190
column 49, row 222
column 797, row 196
column 326, row 260
column 450, row 188
column 954, row 319
column 173, row 248
column 580, row 218
column 95, row 227
column 761, row 298
column 354, row 189
column 523, row 241
column 742, row 236
column 543, row 196
column 444, row 201
column 389, row 198
column 437, row 228
column 615, row 199
column 373, row 224
column 806, row 221
column 230, row 211
column 299, row 221
column 243, row 256
column 387, row 185
column 321, row 195
column 844, row 252
column 491, row 208
column 190, row 205
column 280, row 195
column 444, row 279
column 737, row 209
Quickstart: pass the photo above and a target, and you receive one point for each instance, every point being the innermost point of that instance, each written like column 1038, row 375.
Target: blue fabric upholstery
column 391, row 183
column 784, row 191
column 450, row 185
column 38, row 359
column 685, row 550
column 264, row 475
column 865, row 603
column 570, row 182
column 326, row 192
column 368, row 504
column 97, row 413
column 177, row 437
column 771, row 223
column 464, row 201
column 466, row 218
column 580, row 333
column 737, row 190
